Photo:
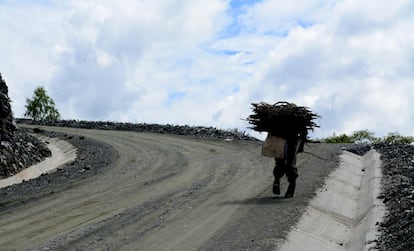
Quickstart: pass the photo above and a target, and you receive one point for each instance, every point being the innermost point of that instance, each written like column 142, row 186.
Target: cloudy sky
column 202, row 62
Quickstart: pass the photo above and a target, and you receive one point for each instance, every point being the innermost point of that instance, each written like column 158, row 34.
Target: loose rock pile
column 397, row 229
column 198, row 131
column 398, row 196
column 18, row 150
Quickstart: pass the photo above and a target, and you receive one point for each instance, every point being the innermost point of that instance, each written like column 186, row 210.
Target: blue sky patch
column 236, row 9
column 304, row 24
column 174, row 96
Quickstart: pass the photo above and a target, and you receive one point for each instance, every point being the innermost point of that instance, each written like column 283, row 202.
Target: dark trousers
column 287, row 165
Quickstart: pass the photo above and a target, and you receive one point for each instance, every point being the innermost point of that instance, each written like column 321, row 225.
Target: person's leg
column 291, row 170
column 278, row 172
column 292, row 174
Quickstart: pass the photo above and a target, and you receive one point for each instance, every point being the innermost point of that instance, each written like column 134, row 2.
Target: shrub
column 367, row 137
column 396, row 138
column 343, row 138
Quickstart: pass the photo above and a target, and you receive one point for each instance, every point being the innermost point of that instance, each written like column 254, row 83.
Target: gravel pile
column 398, row 196
column 192, row 131
column 397, row 229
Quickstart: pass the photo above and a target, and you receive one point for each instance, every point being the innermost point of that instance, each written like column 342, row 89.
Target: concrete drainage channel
column 62, row 153
column 344, row 215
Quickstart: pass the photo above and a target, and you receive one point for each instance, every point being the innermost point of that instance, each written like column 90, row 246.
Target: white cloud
column 200, row 63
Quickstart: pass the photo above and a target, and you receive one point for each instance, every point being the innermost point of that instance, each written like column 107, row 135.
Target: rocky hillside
column 18, row 149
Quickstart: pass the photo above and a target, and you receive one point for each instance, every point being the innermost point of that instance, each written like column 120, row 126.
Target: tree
column 41, row 107
column 363, row 137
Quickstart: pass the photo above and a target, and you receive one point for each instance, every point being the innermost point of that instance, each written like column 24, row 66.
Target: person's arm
column 302, row 143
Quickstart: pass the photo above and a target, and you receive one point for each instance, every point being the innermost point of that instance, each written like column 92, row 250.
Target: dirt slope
column 168, row 192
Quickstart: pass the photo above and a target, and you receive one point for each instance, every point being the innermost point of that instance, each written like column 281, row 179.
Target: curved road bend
column 168, row 192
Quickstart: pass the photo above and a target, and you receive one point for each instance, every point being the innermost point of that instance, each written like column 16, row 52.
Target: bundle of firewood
column 282, row 119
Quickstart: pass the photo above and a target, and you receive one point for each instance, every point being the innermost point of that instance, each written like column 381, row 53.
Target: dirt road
column 168, row 193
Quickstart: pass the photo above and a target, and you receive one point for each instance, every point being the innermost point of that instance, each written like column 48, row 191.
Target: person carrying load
column 287, row 125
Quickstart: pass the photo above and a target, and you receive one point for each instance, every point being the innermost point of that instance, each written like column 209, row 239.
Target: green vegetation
column 367, row 137
column 41, row 107
column 396, row 138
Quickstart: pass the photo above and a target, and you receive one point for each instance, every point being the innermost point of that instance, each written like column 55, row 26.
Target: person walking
column 287, row 125
column 287, row 166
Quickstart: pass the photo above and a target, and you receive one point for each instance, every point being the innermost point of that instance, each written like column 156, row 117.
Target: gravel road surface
column 154, row 192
